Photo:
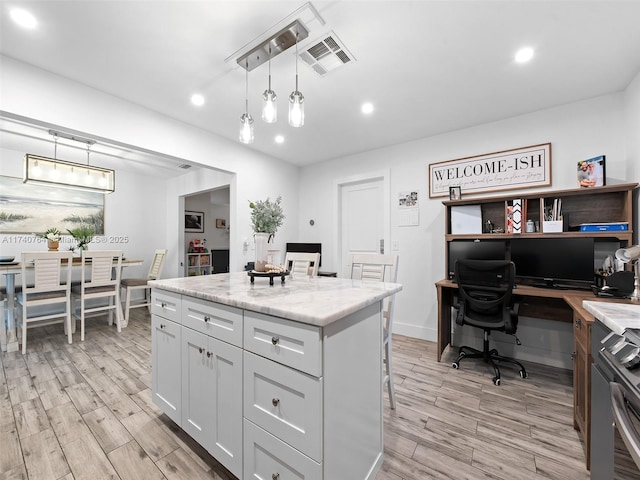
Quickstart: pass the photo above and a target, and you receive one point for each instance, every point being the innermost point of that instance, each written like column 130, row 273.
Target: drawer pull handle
column 275, row 401
column 578, row 322
column 275, row 476
column 200, row 349
column 207, row 318
column 162, row 325
column 275, row 340
column 209, row 354
column 163, row 305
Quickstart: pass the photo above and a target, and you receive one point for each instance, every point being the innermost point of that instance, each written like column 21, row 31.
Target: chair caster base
column 496, row 381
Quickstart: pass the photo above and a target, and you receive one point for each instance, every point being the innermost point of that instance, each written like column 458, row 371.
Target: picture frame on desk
column 592, row 172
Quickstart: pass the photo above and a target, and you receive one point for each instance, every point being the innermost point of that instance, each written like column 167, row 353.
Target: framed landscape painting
column 28, row 208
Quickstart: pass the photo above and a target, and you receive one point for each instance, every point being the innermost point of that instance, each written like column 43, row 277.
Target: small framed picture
column 592, row 172
column 455, row 193
column 193, row 221
column 221, row 223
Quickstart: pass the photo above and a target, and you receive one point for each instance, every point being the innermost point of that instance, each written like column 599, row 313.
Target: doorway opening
column 207, row 232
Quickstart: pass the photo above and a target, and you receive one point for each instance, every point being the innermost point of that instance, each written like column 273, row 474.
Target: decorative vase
column 53, row 245
column 262, row 244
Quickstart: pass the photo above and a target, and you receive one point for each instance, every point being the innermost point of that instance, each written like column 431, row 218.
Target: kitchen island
column 275, row 381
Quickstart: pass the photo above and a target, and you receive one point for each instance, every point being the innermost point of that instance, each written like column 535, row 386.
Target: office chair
column 485, row 301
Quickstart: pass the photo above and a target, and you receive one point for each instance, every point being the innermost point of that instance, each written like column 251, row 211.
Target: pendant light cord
column 296, row 60
column 246, row 94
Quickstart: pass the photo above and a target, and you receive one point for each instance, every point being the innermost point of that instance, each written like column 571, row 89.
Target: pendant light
column 246, row 127
column 60, row 173
column 296, row 100
column 270, row 107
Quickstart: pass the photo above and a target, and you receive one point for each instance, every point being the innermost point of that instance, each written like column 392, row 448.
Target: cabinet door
column 196, row 390
column 212, row 397
column 165, row 364
column 225, row 405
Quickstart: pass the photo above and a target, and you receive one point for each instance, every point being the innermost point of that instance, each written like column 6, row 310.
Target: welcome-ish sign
column 525, row 167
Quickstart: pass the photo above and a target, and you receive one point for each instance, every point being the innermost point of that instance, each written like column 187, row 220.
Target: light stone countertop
column 616, row 316
column 316, row 301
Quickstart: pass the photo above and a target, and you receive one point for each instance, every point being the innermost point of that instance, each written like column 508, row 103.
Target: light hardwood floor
column 84, row 411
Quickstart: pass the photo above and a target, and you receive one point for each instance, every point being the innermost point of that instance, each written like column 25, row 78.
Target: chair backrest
column 302, row 263
column 104, row 267
column 374, row 267
column 48, row 273
column 155, row 270
column 485, row 288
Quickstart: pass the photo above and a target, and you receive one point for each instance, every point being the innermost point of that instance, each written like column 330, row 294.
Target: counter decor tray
column 270, row 275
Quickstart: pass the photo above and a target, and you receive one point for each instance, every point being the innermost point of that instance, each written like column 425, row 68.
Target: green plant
column 50, row 234
column 266, row 216
column 83, row 235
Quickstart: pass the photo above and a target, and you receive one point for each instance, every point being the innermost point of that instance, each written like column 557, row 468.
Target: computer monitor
column 474, row 250
column 554, row 262
column 306, row 248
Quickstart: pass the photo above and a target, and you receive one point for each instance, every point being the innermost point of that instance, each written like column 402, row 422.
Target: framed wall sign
column 525, row 167
column 193, row 221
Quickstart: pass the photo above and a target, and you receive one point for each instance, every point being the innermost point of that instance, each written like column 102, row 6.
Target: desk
column 9, row 331
column 550, row 304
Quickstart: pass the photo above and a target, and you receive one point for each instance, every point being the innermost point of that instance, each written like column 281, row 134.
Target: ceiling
column 428, row 67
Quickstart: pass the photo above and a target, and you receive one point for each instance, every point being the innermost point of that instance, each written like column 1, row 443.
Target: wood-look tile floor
column 84, row 411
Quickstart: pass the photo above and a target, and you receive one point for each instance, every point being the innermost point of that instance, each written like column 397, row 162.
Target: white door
column 364, row 216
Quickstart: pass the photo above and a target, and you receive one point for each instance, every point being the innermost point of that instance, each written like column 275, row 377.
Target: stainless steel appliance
column 615, row 404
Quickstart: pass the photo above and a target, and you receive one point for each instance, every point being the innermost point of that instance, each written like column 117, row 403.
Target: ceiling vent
column 326, row 55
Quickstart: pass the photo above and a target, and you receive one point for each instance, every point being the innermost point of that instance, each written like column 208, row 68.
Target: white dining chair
column 380, row 268
column 132, row 284
column 100, row 280
column 48, row 299
column 302, row 263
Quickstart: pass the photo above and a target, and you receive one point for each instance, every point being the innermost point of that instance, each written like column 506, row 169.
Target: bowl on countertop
column 7, row 259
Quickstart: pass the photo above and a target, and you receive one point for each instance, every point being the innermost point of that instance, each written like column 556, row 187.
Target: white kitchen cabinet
column 274, row 397
column 266, row 457
column 284, row 402
column 165, row 365
column 211, row 396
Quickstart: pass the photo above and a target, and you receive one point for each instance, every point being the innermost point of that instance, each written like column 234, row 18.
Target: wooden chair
column 48, row 299
column 380, row 268
column 100, row 280
column 131, row 284
column 302, row 263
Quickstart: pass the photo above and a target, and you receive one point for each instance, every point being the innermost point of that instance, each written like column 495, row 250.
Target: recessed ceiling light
column 23, row 18
column 524, row 55
column 197, row 99
column 279, row 139
column 367, row 108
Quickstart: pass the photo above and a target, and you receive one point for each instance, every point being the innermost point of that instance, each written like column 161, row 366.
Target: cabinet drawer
column 291, row 343
column 218, row 321
column 166, row 304
column 285, row 402
column 269, row 458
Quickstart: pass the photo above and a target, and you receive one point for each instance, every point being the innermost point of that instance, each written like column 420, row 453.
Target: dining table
column 8, row 330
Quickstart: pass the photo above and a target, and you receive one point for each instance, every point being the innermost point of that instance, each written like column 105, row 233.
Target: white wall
column 135, row 220
column 37, row 94
column 576, row 131
column 632, row 123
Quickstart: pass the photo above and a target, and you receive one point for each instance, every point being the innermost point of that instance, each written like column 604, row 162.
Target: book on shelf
column 604, row 227
column 515, row 212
